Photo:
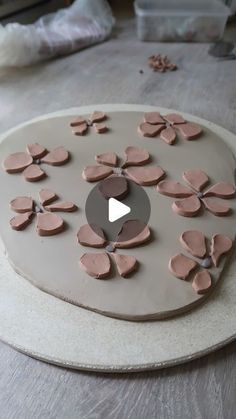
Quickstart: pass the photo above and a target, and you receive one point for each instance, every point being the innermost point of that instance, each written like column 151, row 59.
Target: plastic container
column 181, row 20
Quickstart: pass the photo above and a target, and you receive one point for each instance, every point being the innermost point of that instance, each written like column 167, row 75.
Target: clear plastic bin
column 181, row 20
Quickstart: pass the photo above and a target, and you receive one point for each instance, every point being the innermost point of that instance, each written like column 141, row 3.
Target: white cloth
column 84, row 23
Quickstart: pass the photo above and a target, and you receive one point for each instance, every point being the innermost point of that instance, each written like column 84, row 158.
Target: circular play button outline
column 99, row 209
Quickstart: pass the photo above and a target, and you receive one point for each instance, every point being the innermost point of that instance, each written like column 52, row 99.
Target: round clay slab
column 52, row 263
column 85, row 342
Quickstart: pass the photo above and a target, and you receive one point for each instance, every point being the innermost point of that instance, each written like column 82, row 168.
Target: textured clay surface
column 152, row 292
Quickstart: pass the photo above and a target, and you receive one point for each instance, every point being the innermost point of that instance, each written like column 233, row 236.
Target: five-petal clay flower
column 98, row 265
column 194, row 198
column 81, row 125
column 131, row 168
column 29, row 162
column 48, row 224
column 194, row 242
column 168, row 126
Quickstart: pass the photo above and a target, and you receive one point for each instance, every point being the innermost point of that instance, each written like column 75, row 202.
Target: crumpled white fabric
column 84, row 23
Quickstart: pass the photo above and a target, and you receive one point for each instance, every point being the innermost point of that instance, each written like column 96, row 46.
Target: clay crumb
column 161, row 63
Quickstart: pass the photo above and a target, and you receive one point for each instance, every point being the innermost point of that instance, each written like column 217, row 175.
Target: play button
column 105, row 210
column 116, row 210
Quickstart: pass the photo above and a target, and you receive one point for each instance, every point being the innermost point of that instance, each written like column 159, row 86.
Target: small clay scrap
column 98, row 265
column 161, row 63
column 194, row 242
column 80, row 125
column 132, row 168
column 29, row 162
column 194, row 196
column 48, row 224
column 168, row 126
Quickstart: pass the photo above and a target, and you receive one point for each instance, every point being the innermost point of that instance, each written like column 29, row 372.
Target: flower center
column 207, row 262
column 117, row 171
column 37, row 161
column 37, row 209
column 110, row 248
column 200, row 195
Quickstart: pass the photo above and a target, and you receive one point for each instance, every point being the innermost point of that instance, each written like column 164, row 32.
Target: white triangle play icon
column 116, row 210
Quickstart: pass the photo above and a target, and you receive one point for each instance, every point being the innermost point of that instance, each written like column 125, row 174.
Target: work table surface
column 110, row 73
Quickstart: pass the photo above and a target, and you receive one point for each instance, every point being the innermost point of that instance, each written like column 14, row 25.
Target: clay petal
column 100, row 128
column 181, row 266
column 215, row 207
column 125, row 264
column 173, row 189
column 97, row 265
column 145, row 176
column 153, row 118
column 136, row 156
column 20, row 222
column 95, row 173
column 197, row 179
column 221, row 190
column 174, row 118
column 133, row 233
column 194, row 242
column 148, row 130
column 80, row 120
column 109, row 159
column 33, row 173
column 36, row 150
column 220, row 245
column 91, row 236
column 202, row 282
column 22, row 204
column 114, row 187
column 57, row 157
column 61, row 206
column 168, row 135
column 190, row 131
column 49, row 224
column 97, row 116
column 187, row 207
column 80, row 129
column 17, row 162
column 46, row 196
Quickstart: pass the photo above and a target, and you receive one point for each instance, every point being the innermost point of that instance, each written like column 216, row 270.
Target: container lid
column 181, row 7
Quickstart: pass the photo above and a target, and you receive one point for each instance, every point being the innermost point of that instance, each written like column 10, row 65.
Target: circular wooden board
column 57, row 332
